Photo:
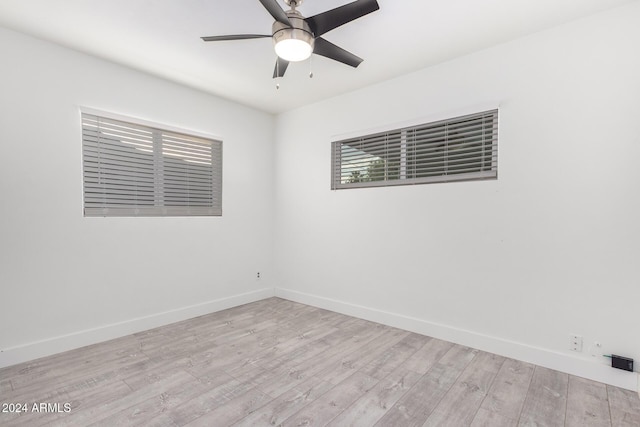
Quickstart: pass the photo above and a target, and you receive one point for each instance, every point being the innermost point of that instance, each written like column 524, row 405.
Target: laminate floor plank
column 291, row 344
column 504, row 401
column 546, row 401
column 277, row 379
column 394, row 356
column 201, row 405
column 300, row 333
column 34, row 373
column 123, row 345
column 140, row 413
column 587, row 404
column 220, row 332
column 5, row 387
column 230, row 355
column 624, row 406
column 150, row 376
column 209, row 322
column 306, row 319
column 427, row 356
column 176, row 349
column 325, row 408
column 321, row 362
column 236, row 345
column 90, row 359
column 77, row 398
column 487, row 418
column 77, row 377
column 278, row 362
column 344, row 367
column 460, row 405
column 225, row 331
column 418, row 403
column 372, row 406
column 287, row 344
column 226, row 318
column 233, row 410
column 110, row 407
column 287, row 404
column 351, row 334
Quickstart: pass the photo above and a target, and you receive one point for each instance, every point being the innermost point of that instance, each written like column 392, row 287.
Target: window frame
column 161, row 136
column 401, row 141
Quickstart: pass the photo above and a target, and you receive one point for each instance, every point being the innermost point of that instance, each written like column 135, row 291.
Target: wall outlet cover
column 575, row 343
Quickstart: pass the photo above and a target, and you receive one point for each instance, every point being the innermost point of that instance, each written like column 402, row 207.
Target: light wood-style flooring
column 276, row 362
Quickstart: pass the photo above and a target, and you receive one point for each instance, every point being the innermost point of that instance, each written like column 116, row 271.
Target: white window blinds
column 462, row 148
column 136, row 170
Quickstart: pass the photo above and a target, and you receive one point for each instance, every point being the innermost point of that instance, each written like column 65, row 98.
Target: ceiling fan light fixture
column 293, row 43
column 293, row 50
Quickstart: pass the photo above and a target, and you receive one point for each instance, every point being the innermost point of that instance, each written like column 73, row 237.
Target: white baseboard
column 34, row 350
column 584, row 368
column 580, row 367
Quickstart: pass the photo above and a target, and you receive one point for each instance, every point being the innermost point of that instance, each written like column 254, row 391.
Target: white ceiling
column 162, row 37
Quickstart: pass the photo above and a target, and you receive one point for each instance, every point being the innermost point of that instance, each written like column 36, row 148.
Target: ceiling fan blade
column 276, row 11
column 234, row 37
column 334, row 18
column 331, row 51
column 281, row 67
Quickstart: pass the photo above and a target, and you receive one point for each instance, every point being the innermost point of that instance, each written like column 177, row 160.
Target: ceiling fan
column 295, row 37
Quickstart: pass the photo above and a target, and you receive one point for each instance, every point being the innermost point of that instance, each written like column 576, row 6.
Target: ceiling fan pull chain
column 310, row 69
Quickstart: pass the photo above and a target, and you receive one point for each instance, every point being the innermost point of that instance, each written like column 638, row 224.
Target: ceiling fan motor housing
column 299, row 30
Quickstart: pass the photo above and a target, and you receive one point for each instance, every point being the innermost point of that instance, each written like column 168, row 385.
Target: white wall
column 513, row 265
column 61, row 273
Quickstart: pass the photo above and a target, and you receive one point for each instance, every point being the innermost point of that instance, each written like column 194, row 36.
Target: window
column 463, row 148
column 132, row 169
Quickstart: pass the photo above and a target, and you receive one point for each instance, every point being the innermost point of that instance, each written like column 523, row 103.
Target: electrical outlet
column 596, row 349
column 575, row 343
column 258, row 276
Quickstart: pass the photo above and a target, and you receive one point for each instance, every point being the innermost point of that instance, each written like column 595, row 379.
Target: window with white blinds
column 457, row 149
column 136, row 170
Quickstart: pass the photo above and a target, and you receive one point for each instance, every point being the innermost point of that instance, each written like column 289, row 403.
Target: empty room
column 337, row 212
